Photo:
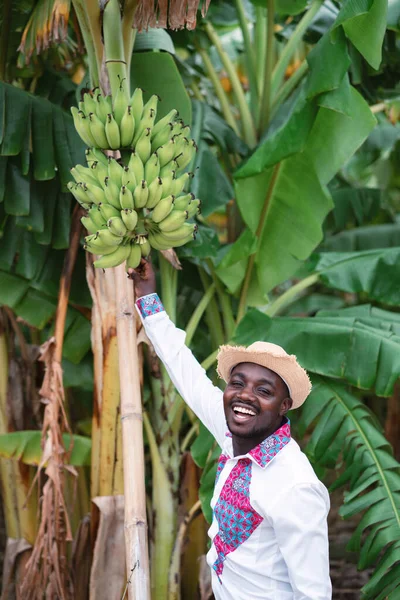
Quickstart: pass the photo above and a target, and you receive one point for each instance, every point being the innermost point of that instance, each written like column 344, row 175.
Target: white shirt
column 269, row 530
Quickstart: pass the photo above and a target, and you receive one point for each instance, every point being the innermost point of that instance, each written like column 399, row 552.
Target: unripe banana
column 152, row 168
column 100, row 171
column 182, row 202
column 130, row 218
column 82, row 126
column 191, row 236
column 194, row 208
column 179, row 183
column 95, row 154
column 97, row 217
column 137, row 105
column 186, row 156
column 162, row 136
column 115, row 171
column 143, row 146
column 102, row 108
column 81, row 106
column 162, row 123
column 155, row 193
column 128, row 179
column 126, row 198
column 168, row 170
column 147, row 122
column 136, row 166
column 167, row 152
column 175, row 219
column 95, row 193
column 127, row 127
column 89, row 102
column 114, row 259
column 145, row 248
column 99, row 249
column 152, row 103
column 79, row 193
column 116, row 226
column 157, row 243
column 85, row 174
column 162, row 209
column 180, row 232
column 108, row 212
column 97, row 131
column 105, row 237
column 112, row 133
column 120, row 103
column 167, row 182
column 89, row 225
column 111, row 191
column 134, row 257
column 141, row 194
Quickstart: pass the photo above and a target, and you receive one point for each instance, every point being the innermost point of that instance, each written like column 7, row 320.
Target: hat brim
column 286, row 367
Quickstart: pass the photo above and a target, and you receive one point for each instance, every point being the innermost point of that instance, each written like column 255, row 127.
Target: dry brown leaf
column 171, row 256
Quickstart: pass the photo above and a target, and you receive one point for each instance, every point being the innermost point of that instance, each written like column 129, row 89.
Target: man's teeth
column 245, row 411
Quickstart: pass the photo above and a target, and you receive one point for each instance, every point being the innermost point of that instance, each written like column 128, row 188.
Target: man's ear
column 286, row 405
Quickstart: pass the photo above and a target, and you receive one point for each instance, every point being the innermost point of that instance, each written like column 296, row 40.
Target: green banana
column 113, row 260
column 152, row 168
column 127, row 127
column 116, row 226
column 152, row 103
column 102, row 108
column 175, row 219
column 168, row 170
column 194, row 208
column 136, row 166
column 108, row 212
column 89, row 102
column 155, row 193
column 107, row 238
column 167, row 182
column 99, row 249
column 95, row 193
column 130, row 218
column 126, row 198
column 182, row 202
column 145, row 248
column 97, row 131
column 100, row 170
column 186, row 156
column 134, row 257
column 111, row 191
column 179, row 183
column 162, row 123
column 141, row 194
column 112, row 133
column 96, row 154
column 97, row 217
column 143, row 145
column 158, row 243
column 120, row 103
column 115, row 171
column 128, row 179
column 82, row 126
column 179, row 233
column 79, row 194
column 162, row 209
column 85, row 174
column 190, row 237
column 167, row 152
column 89, row 225
column 162, row 136
column 137, row 104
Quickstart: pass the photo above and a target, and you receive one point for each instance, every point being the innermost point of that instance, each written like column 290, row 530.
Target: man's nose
column 246, row 393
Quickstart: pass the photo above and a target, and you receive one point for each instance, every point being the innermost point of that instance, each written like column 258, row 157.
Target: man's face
column 255, row 400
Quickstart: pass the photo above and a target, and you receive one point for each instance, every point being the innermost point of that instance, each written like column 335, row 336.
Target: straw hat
column 272, row 357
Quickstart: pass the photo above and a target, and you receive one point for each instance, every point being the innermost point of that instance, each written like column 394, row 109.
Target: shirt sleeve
column 300, row 524
column 186, row 373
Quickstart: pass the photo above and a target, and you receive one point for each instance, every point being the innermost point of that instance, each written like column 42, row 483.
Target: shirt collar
column 269, row 448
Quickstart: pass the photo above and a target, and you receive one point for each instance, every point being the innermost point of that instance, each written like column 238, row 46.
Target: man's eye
column 265, row 391
column 236, row 383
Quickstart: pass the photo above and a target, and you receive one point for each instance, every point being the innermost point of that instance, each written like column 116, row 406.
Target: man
column 269, row 531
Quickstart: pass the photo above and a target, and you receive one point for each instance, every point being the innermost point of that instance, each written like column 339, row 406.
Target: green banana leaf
column 355, row 207
column 374, row 272
column 205, row 452
column 364, row 238
column 363, row 350
column 347, row 434
column 25, row 446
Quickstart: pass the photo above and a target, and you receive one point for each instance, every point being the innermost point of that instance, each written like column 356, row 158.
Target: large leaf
column 26, row 447
column 363, row 350
column 348, row 432
column 329, row 61
column 375, row 272
column 364, row 238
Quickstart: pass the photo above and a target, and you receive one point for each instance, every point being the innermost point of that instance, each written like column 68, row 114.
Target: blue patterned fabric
column 149, row 305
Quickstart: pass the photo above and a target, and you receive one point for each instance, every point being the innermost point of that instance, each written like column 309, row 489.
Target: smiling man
column 269, row 530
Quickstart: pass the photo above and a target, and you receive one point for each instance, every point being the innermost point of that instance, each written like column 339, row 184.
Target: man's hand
column 144, row 278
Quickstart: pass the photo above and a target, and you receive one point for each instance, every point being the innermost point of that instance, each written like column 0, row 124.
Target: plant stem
column 89, row 41
column 188, row 437
column 219, row 90
column 114, row 46
column 278, row 73
column 289, row 86
column 249, row 132
column 264, row 212
column 269, row 62
column 210, row 360
column 94, row 21
column 212, row 314
column 227, row 314
column 250, row 59
column 128, row 35
column 198, row 313
column 278, row 305
column 260, row 42
column 196, row 91
column 169, row 280
column 5, row 33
